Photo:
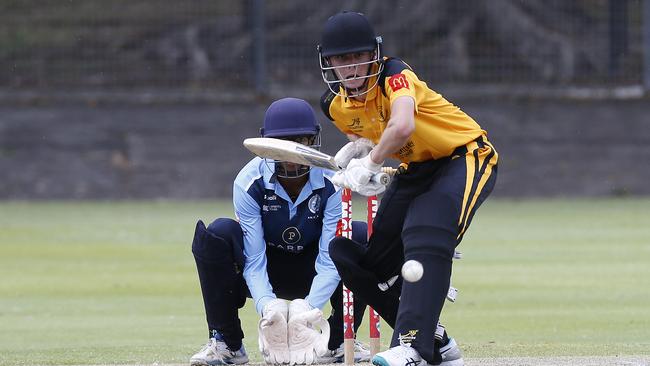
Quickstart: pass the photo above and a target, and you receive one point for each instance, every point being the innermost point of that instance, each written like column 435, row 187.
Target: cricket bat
column 293, row 152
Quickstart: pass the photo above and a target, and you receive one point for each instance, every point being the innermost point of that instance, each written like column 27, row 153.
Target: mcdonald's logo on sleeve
column 397, row 82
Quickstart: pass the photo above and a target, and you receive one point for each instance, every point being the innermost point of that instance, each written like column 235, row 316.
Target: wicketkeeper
column 276, row 249
column 388, row 112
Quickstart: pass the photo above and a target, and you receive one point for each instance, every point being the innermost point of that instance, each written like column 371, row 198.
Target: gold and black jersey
column 440, row 126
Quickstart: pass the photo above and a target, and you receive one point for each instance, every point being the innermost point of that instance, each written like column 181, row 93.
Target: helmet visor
column 333, row 75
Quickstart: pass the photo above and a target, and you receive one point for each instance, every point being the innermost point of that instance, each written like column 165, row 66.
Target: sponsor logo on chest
column 290, row 237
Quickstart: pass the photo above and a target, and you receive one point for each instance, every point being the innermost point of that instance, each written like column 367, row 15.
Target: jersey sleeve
column 401, row 84
column 248, row 213
column 326, row 101
column 327, row 277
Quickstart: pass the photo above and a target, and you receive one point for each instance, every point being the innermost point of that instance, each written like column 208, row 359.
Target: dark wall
column 192, row 151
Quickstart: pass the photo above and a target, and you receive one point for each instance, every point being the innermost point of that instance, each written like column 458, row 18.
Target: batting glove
column 308, row 333
column 355, row 149
column 359, row 172
column 340, row 180
column 273, row 332
column 371, row 189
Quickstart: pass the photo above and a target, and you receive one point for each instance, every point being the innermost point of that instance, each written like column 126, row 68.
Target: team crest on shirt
column 355, row 125
column 314, row 203
column 397, row 82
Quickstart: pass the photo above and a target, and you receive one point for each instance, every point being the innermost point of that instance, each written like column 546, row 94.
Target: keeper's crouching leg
column 219, row 261
column 347, row 256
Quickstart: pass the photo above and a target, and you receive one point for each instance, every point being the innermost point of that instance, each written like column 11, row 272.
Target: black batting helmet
column 347, row 32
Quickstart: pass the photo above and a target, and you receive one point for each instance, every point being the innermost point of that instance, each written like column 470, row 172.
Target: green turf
column 115, row 283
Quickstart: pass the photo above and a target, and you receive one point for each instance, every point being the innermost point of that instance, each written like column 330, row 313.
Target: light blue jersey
column 277, row 229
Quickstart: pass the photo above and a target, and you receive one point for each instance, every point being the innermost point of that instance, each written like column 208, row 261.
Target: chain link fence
column 265, row 45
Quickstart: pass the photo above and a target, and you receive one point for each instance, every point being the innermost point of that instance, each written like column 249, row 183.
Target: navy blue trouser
column 218, row 253
column 423, row 216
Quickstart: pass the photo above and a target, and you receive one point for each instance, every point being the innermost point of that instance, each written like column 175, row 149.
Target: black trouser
column 218, row 253
column 423, row 216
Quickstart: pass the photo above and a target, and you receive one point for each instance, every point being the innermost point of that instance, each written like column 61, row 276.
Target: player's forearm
column 398, row 131
column 322, row 288
column 257, row 281
column 394, row 137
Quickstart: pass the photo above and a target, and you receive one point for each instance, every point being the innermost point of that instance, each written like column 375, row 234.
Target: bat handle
column 381, row 178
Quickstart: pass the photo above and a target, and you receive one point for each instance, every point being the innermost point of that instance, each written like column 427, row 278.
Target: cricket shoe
column 408, row 356
column 327, row 358
column 451, row 355
column 403, row 355
column 361, row 352
column 216, row 352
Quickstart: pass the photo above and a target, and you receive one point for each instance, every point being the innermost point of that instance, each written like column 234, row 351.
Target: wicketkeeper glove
column 354, row 149
column 309, row 333
column 273, row 332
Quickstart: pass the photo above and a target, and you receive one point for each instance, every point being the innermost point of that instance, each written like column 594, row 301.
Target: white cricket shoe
column 327, row 358
column 399, row 356
column 216, row 352
column 408, row 356
column 361, row 352
column 451, row 355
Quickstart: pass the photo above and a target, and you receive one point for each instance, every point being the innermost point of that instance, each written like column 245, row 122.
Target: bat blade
column 293, row 152
column 283, row 150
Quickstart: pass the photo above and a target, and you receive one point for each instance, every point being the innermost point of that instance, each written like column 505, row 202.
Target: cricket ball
column 412, row 270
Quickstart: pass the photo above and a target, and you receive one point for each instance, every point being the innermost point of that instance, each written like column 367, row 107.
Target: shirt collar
column 316, row 181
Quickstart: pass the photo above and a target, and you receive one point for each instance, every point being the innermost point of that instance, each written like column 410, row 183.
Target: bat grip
column 381, row 178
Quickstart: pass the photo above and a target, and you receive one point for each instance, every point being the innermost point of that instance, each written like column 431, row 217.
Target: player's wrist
column 263, row 303
column 370, row 161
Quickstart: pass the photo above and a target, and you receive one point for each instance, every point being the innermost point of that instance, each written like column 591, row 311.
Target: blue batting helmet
column 289, row 117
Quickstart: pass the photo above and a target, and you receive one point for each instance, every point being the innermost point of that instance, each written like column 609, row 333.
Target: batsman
column 277, row 249
column 451, row 168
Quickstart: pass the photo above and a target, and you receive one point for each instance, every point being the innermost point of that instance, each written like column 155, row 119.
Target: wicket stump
column 348, row 296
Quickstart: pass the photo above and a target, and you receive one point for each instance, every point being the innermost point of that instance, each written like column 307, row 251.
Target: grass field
column 115, row 283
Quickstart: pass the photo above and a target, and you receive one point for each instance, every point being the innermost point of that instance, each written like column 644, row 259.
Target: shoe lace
column 360, row 347
column 220, row 349
column 207, row 346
